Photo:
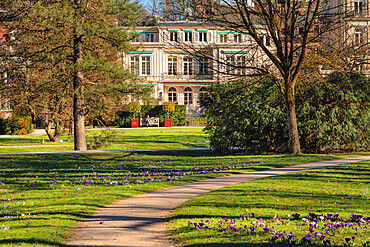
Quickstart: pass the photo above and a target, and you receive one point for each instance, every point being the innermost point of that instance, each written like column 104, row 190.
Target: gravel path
column 138, row 221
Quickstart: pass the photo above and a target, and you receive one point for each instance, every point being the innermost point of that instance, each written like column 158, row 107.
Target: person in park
column 147, row 120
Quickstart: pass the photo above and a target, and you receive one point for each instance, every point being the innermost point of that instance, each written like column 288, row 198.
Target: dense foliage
column 333, row 114
column 70, row 58
column 16, row 126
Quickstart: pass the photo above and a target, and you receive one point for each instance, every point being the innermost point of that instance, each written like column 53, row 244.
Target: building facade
column 181, row 59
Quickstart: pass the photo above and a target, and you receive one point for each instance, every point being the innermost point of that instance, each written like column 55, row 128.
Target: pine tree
column 75, row 45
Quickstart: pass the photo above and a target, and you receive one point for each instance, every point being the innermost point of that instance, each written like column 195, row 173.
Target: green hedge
column 196, row 121
column 178, row 116
column 16, row 126
column 332, row 115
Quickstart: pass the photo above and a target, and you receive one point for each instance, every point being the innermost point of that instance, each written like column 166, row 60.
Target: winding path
column 138, row 221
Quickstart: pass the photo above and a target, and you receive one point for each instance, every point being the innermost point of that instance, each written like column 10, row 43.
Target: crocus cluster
column 115, row 176
column 319, row 228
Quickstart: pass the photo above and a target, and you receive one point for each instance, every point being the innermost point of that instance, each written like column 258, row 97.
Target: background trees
column 71, row 48
column 284, row 33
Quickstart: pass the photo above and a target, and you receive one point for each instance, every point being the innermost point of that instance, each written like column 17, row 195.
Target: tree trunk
column 54, row 136
column 294, row 146
column 78, row 95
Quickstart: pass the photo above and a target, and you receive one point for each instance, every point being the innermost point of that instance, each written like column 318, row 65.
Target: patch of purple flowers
column 319, row 227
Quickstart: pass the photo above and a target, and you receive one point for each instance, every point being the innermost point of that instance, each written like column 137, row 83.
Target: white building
column 179, row 59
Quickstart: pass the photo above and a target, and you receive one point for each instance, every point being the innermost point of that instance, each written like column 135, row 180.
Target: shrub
column 168, row 106
column 123, row 118
column 196, row 121
column 5, row 126
column 133, row 107
column 243, row 116
column 332, row 115
column 16, row 126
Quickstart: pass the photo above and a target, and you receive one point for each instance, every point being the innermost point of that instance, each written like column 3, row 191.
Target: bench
column 152, row 121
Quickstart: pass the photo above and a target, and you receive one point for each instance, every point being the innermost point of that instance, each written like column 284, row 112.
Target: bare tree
column 283, row 34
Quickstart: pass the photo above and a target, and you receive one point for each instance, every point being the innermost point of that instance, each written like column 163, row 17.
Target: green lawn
column 275, row 201
column 42, row 197
column 138, row 138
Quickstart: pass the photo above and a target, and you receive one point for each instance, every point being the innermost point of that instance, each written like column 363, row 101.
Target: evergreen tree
column 70, row 48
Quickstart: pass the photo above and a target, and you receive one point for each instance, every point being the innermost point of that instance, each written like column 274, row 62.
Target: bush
column 335, row 115
column 16, row 126
column 5, row 126
column 242, row 116
column 123, row 118
column 332, row 115
column 134, row 108
column 196, row 121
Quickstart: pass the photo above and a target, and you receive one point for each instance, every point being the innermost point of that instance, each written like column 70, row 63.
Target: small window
column 241, row 65
column 173, row 36
column 237, row 38
column 188, row 65
column 149, row 37
column 145, row 65
column 223, row 38
column 202, row 93
column 358, row 7
column 172, row 66
column 134, row 64
column 230, row 65
column 172, row 94
column 202, row 36
column 188, row 96
column 203, row 66
column 188, row 37
column 267, row 40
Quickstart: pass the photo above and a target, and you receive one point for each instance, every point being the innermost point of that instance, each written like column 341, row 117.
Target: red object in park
column 5, row 33
column 167, row 122
column 134, row 123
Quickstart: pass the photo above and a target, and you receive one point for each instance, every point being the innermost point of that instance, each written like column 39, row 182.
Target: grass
column 138, row 138
column 341, row 189
column 42, row 197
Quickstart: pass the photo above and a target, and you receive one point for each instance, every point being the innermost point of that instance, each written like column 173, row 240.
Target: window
column 203, row 66
column 134, row 64
column 188, row 37
column 241, row 65
column 230, row 65
column 172, row 94
column 358, row 7
column 267, row 40
column 145, row 65
column 223, row 38
column 237, row 38
column 172, row 66
column 149, row 37
column 359, row 36
column 188, row 66
column 202, row 93
column 173, row 36
column 188, row 96
column 202, row 36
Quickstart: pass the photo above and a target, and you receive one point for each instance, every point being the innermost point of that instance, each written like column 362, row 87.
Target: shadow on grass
column 33, row 241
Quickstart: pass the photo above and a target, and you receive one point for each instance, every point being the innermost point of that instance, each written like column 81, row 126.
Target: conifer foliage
column 70, row 51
